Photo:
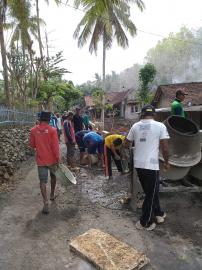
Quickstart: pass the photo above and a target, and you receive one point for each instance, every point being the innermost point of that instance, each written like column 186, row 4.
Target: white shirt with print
column 147, row 134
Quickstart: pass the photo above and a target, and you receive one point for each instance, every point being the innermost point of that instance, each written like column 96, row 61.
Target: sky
column 160, row 17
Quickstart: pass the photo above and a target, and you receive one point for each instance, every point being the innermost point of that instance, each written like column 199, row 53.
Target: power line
column 143, row 31
column 173, row 38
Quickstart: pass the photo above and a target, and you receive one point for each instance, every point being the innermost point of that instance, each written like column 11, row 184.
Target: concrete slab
column 106, row 252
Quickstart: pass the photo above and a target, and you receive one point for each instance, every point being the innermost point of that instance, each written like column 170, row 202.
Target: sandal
column 45, row 209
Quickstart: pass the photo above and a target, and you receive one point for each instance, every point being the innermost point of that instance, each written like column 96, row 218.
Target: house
column 165, row 94
column 124, row 103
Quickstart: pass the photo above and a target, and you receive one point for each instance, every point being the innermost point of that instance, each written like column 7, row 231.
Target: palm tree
column 3, row 6
column 105, row 20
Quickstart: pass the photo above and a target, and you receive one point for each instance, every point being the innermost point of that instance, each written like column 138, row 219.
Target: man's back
column 78, row 122
column 147, row 134
column 93, row 136
column 45, row 140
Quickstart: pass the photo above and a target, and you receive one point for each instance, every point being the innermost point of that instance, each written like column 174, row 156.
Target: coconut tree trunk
column 103, row 80
column 39, row 31
column 4, row 60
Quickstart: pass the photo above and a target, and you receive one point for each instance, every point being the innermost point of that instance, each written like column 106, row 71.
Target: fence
column 14, row 117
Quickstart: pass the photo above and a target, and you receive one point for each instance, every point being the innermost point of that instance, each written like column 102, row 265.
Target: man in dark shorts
column 44, row 139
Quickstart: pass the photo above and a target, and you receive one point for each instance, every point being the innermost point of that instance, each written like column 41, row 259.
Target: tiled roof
column 89, row 101
column 116, row 97
column 167, row 92
column 110, row 97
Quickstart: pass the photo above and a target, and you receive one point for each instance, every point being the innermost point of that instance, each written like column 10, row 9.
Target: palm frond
column 15, row 37
column 9, row 25
column 124, row 19
column 96, row 36
column 109, row 18
column 86, row 22
column 140, row 4
column 85, row 33
column 35, row 20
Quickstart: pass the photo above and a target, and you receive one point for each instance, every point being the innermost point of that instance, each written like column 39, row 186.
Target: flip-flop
column 45, row 209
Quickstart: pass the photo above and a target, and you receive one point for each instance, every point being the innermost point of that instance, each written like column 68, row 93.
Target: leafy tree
column 105, row 20
column 97, row 99
column 178, row 58
column 146, row 76
column 60, row 92
column 53, row 88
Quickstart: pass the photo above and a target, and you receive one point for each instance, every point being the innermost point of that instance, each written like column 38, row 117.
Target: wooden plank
column 106, row 252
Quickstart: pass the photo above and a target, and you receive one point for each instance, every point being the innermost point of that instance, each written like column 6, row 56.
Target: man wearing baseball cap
column 176, row 106
column 148, row 136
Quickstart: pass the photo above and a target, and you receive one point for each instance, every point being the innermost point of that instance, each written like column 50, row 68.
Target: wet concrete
column 32, row 241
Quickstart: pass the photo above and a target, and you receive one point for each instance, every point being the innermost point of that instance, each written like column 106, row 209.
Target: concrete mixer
column 184, row 147
column 196, row 171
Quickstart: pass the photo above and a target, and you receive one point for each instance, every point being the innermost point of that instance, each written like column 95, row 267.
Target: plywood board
column 106, row 252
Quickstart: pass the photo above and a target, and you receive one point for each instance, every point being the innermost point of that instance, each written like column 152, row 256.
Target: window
column 132, row 108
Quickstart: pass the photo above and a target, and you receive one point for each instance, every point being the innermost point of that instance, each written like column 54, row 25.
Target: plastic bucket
column 66, row 175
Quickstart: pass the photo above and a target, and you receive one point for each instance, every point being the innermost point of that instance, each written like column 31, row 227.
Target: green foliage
column 109, row 107
column 178, row 58
column 97, row 99
column 51, row 67
column 61, row 92
column 146, row 76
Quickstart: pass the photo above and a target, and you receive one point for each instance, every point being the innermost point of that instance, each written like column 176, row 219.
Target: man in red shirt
column 44, row 140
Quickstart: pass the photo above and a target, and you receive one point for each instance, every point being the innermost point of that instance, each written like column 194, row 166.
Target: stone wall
column 14, row 148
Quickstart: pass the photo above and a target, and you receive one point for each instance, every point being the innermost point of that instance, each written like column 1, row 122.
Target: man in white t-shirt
column 148, row 136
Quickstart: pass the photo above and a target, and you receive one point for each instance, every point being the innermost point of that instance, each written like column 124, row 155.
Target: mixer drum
column 184, row 143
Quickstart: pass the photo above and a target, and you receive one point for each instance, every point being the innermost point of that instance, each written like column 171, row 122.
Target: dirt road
column 32, row 241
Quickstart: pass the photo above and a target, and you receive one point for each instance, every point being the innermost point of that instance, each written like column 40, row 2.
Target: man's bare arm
column 165, row 151
column 127, row 143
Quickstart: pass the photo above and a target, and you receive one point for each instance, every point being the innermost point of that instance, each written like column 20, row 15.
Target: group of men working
column 147, row 135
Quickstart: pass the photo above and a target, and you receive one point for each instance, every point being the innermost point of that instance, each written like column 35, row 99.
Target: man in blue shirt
column 94, row 143
column 79, row 140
